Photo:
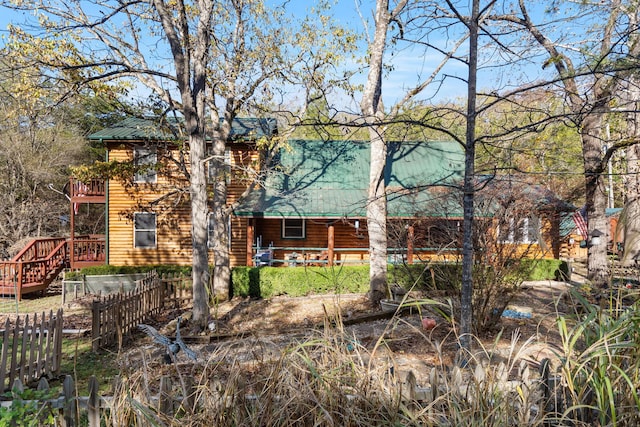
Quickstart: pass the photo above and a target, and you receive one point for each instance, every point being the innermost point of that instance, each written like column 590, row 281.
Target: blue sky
column 410, row 66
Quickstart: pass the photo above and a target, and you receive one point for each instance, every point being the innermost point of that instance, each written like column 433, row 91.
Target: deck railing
column 31, row 272
column 87, row 251
column 95, row 187
column 38, row 249
column 316, row 256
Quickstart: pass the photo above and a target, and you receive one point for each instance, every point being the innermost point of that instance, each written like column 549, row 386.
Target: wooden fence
column 177, row 290
column 30, row 348
column 176, row 398
column 114, row 316
column 66, row 408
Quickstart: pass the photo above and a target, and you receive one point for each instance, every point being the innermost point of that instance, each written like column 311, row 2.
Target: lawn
column 77, row 358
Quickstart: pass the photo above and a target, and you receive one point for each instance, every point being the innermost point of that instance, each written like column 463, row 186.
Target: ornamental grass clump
column 601, row 361
column 324, row 378
column 328, row 377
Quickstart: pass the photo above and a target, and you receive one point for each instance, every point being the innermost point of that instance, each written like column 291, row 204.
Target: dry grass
column 328, row 378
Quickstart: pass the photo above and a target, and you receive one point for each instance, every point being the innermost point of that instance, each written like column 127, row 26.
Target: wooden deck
column 35, row 267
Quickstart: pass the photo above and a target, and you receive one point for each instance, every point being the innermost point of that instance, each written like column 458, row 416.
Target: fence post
column 23, row 369
column 43, row 384
column 70, row 404
column 14, row 351
column 165, row 404
column 95, row 325
column 57, row 357
column 93, row 404
column 189, row 394
column 119, row 314
column 19, row 279
column 4, row 354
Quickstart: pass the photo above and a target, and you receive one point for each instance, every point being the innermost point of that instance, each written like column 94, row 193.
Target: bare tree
column 378, row 121
column 373, row 113
column 39, row 140
column 590, row 86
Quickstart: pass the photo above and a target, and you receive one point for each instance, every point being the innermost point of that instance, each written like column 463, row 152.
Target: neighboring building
column 310, row 205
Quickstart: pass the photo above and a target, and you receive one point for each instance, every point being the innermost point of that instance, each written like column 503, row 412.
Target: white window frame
column 287, row 228
column 152, row 231
column 145, row 156
column 210, row 231
column 227, row 165
column 526, row 234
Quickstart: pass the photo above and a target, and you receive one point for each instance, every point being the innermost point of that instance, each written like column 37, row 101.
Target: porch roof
column 329, row 179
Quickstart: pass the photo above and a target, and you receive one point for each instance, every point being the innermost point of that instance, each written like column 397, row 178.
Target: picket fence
column 65, row 408
column 115, row 316
column 31, row 348
column 180, row 396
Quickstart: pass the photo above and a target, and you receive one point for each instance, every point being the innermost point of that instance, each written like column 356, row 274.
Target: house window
column 227, row 165
column 211, row 221
column 145, row 159
column 524, row 230
column 293, row 228
column 144, row 230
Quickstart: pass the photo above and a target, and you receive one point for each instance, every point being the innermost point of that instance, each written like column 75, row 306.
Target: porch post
column 330, row 244
column 410, row 237
column 250, row 236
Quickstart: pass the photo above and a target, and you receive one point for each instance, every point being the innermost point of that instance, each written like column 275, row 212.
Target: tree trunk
column 200, row 265
column 596, row 199
column 221, row 244
column 466, row 294
column 631, row 219
column 191, row 60
column 372, row 111
column 377, row 219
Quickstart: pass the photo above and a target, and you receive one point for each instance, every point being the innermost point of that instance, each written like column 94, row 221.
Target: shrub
column 265, row 282
column 427, row 277
column 600, row 346
column 545, row 269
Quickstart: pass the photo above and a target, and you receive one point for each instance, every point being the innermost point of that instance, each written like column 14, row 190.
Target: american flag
column 580, row 221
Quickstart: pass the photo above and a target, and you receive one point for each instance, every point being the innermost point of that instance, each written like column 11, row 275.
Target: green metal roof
column 330, row 179
column 156, row 129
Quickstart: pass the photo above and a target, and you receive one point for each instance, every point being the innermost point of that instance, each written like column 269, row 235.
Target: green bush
column 432, row 277
column 545, row 269
column 265, row 282
column 448, row 276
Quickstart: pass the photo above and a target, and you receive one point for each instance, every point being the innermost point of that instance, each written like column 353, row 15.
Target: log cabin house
column 310, row 205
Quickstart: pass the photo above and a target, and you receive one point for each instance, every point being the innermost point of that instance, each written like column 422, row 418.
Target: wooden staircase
column 36, row 266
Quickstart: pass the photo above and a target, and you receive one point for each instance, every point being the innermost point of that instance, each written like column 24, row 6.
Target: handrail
column 38, row 248
column 95, row 187
column 87, row 250
column 39, row 271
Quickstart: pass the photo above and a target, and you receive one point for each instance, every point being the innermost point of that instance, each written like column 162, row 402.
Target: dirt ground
column 251, row 330
column 412, row 347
